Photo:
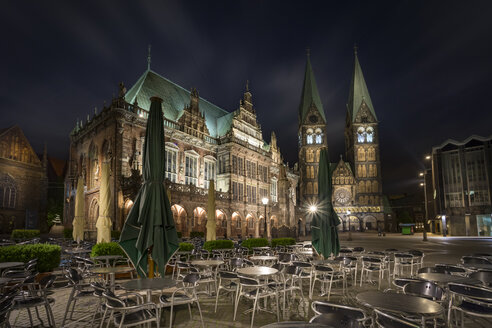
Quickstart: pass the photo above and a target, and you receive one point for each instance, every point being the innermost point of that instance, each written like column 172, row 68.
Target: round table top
column 341, row 320
column 206, row 263
column 8, row 265
column 106, row 270
column 107, row 257
column 257, row 271
column 149, row 284
column 400, row 303
column 447, row 278
column 262, row 247
column 263, row 258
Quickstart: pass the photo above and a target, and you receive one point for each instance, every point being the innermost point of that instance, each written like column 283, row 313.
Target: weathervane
column 148, row 59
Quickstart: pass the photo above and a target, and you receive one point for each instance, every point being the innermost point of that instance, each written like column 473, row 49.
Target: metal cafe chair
column 254, row 290
column 372, row 265
column 353, row 312
column 305, row 274
column 186, row 294
column 402, row 261
column 418, row 258
column 126, row 315
column 325, row 275
column 475, row 260
column 228, row 281
column 430, row 291
column 484, row 276
column 386, row 320
column 80, row 289
column 290, row 282
column 400, row 283
column 453, row 269
column 469, row 300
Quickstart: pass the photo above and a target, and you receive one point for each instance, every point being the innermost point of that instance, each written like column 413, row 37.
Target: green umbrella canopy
column 150, row 223
column 324, row 223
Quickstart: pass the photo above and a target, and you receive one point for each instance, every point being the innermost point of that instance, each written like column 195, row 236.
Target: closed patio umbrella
column 104, row 223
column 211, row 224
column 78, row 222
column 324, row 224
column 149, row 226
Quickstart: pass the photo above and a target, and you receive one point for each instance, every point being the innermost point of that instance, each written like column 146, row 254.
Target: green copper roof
column 310, row 94
column 175, row 98
column 358, row 92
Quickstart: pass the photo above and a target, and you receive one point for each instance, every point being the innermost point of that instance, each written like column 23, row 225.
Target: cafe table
column 472, row 266
column 107, row 258
column 444, row 279
column 148, row 285
column 257, row 271
column 263, row 258
column 111, row 271
column 402, row 303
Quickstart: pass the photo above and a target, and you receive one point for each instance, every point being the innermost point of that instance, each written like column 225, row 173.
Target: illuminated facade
column 23, row 183
column 357, row 190
column 461, row 180
column 203, row 143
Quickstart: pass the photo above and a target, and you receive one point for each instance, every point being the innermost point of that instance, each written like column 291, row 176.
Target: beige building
column 203, row 143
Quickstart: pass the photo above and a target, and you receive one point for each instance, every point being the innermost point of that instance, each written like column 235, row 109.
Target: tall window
column 318, row 136
column 8, row 192
column 361, row 134
column 171, row 167
column 209, row 172
column 240, row 192
column 309, row 139
column 478, row 192
column 273, row 191
column 234, row 164
column 235, row 193
column 250, row 223
column 369, row 134
column 240, row 166
column 452, row 179
column 248, row 193
column 191, row 170
column 223, row 162
column 253, row 194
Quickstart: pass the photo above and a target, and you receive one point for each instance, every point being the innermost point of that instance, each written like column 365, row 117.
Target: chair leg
column 276, row 302
column 254, row 309
column 104, row 317
column 217, row 299
column 200, row 311
column 68, row 307
column 189, row 310
column 171, row 316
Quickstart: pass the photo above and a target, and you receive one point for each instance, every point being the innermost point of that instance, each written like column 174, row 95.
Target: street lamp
column 264, row 200
column 424, row 185
column 349, row 227
column 313, row 209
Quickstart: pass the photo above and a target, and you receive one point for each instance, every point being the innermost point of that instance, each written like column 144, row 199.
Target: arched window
column 309, row 188
column 317, row 155
column 251, row 224
column 224, row 223
column 8, row 191
column 315, row 188
column 309, row 136
column 310, row 155
column 361, row 154
column 361, row 134
column 319, row 136
column 374, row 186
column 369, row 134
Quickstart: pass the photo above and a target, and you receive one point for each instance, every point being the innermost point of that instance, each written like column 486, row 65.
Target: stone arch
column 370, row 222
column 106, row 151
column 261, row 226
column 180, row 218
column 93, row 176
column 361, row 154
column 221, row 223
column 126, row 208
column 199, row 219
column 250, row 225
column 90, row 223
column 236, row 224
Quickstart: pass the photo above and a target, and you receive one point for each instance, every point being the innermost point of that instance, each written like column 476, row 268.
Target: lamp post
column 349, row 227
column 264, row 200
column 424, row 184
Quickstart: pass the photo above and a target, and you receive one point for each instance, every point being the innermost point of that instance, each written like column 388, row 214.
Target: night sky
column 428, row 65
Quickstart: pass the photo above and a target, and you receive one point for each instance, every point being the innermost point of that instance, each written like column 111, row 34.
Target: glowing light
column 264, row 200
column 421, row 184
column 421, row 174
column 427, row 157
column 313, row 208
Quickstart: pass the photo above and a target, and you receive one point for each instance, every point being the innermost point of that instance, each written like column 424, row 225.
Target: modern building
column 23, row 182
column 357, row 188
column 461, row 175
column 203, row 142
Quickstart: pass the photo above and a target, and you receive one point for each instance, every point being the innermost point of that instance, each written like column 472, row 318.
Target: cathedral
column 257, row 193
column 357, row 190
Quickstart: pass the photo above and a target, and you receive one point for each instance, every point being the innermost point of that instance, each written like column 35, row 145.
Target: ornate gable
column 192, row 119
column 15, row 146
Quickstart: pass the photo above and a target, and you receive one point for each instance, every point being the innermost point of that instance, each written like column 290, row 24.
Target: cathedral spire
column 149, row 59
column 310, row 96
column 358, row 91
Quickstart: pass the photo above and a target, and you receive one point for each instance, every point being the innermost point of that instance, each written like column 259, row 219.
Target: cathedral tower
column 311, row 135
column 362, row 140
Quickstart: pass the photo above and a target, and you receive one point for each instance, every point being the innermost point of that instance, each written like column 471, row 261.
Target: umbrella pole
column 151, row 263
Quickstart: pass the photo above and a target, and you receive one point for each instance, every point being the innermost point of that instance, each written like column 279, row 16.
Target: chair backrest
column 403, row 256
column 475, row 260
column 451, row 268
column 475, row 292
column 415, row 252
column 47, row 281
column 73, row 275
column 99, row 289
column 424, row 289
column 191, row 278
column 236, row 263
column 113, row 301
column 401, row 282
column 358, row 249
column 323, row 268
column 292, row 270
column 285, row 257
column 248, row 262
column 386, row 320
column 391, row 250
column 302, row 264
column 325, row 307
column 373, row 260
column 484, row 276
column 432, row 270
column 250, row 282
column 481, row 254
column 227, row 275
column 345, row 251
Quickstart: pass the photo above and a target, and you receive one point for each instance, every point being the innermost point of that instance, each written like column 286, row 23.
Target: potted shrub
column 111, row 248
column 218, row 244
column 254, row 242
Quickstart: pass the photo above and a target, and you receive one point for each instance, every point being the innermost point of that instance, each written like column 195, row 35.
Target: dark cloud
column 427, row 65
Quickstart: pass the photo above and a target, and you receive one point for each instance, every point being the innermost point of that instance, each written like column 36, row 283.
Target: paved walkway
column 436, row 250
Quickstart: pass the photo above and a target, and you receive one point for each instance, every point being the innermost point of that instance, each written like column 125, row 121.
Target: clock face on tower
column 342, row 196
column 313, row 118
